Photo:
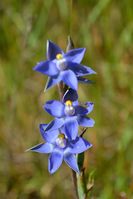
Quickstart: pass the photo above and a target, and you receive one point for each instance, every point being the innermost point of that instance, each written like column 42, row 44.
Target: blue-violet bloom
column 69, row 114
column 61, row 66
column 60, row 148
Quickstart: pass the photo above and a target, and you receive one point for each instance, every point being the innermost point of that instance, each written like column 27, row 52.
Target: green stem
column 74, row 177
column 81, row 185
column 61, row 89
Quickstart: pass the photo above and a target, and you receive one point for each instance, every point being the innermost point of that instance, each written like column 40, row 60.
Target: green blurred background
column 105, row 28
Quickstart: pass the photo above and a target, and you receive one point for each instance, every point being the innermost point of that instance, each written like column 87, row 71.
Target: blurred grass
column 105, row 28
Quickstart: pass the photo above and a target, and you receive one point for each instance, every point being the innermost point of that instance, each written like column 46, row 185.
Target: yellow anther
column 68, row 103
column 59, row 56
column 61, row 136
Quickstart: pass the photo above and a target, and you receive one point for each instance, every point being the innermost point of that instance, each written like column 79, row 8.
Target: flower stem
column 70, row 45
column 61, row 89
column 81, row 184
column 79, row 180
column 74, row 177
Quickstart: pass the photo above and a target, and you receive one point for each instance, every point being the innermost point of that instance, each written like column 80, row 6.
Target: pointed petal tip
column 84, row 49
column 91, row 72
column 49, row 41
column 27, row 150
column 34, row 68
column 93, row 123
column 42, row 126
column 76, row 171
column 89, row 145
column 94, row 72
column 45, row 89
column 46, row 86
column 30, row 149
column 52, row 171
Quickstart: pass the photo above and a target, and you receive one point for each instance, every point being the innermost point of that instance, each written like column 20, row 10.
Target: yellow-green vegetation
column 105, row 28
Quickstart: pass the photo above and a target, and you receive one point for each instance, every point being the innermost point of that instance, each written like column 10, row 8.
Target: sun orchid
column 60, row 148
column 61, row 66
column 69, row 113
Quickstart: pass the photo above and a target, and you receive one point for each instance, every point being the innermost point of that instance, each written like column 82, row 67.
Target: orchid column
column 62, row 139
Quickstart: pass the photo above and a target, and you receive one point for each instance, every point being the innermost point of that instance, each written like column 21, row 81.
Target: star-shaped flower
column 60, row 148
column 62, row 66
column 69, row 114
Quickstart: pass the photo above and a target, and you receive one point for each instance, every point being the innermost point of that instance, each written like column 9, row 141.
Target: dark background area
column 105, row 28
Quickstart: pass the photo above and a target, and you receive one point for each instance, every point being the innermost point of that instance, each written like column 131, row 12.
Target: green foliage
column 105, row 28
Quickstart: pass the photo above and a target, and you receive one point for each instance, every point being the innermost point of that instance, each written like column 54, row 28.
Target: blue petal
column 79, row 145
column 75, row 55
column 71, row 161
column 70, row 79
column 80, row 70
column 43, row 126
column 85, row 121
column 48, row 136
column 42, row 148
column 52, row 81
column 52, row 50
column 84, row 80
column 47, row 67
column 70, row 94
column 90, row 106
column 55, row 161
column 54, row 108
column 71, row 128
column 80, row 110
column 55, row 124
column 75, row 103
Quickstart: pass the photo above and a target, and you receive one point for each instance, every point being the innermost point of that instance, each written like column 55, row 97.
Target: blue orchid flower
column 60, row 148
column 69, row 114
column 62, row 66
